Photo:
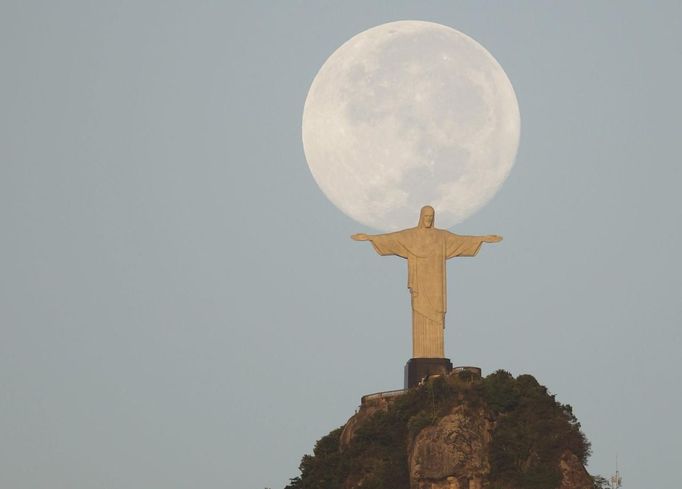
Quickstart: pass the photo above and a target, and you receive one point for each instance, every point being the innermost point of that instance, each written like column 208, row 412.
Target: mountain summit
column 460, row 431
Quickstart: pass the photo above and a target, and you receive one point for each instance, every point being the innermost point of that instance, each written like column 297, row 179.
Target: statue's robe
column 426, row 250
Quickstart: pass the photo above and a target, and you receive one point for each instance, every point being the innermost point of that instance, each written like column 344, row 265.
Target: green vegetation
column 531, row 432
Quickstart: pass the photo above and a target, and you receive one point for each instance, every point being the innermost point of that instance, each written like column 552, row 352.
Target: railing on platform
column 382, row 395
column 399, row 392
column 473, row 370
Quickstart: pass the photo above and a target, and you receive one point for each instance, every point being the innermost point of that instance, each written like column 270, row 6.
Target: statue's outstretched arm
column 491, row 238
column 384, row 244
column 467, row 245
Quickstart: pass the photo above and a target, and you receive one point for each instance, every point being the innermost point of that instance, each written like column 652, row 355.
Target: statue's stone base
column 418, row 368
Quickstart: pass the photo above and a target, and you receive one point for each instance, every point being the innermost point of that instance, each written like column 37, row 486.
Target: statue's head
column 426, row 217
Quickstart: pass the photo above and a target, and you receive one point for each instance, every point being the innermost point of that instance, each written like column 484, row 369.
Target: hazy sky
column 181, row 307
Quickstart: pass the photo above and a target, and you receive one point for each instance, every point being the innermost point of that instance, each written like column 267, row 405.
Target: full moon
column 407, row 114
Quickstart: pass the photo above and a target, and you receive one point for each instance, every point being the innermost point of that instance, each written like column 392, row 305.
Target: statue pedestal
column 418, row 368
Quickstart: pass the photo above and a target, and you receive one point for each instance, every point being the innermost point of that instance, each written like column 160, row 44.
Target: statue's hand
column 493, row 238
column 360, row 237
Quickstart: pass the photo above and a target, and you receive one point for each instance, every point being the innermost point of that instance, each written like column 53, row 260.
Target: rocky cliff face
column 452, row 453
column 573, row 473
column 455, row 433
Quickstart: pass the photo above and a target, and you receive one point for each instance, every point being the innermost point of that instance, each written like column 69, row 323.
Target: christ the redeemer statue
column 426, row 250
